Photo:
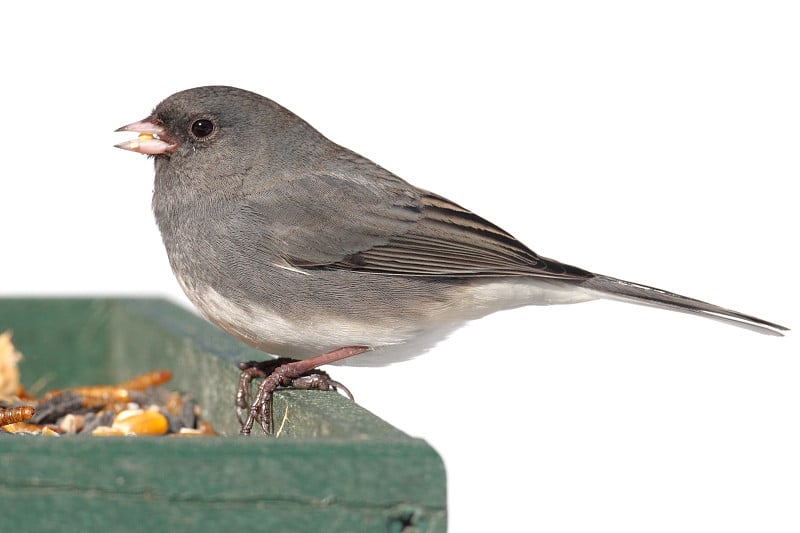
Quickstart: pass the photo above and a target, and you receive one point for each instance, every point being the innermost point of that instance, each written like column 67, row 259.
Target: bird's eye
column 202, row 128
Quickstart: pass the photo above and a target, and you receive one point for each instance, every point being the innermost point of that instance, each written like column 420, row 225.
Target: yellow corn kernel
column 139, row 422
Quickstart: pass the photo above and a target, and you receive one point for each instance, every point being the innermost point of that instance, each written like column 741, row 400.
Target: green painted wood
column 336, row 467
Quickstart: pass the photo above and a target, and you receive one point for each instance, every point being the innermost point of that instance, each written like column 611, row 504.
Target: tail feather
column 617, row 289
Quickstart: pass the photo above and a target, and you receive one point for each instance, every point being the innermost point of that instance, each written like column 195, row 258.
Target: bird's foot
column 283, row 372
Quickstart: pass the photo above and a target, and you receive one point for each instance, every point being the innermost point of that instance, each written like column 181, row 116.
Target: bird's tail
column 617, row 289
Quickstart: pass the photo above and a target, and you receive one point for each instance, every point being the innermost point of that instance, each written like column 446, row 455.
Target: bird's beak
column 152, row 140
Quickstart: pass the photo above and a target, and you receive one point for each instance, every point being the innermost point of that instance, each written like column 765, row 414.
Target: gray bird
column 303, row 248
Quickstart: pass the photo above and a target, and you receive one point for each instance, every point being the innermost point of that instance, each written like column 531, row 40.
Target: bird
column 303, row 248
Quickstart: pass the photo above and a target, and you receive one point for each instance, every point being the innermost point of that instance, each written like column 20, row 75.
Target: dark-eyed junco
column 302, row 248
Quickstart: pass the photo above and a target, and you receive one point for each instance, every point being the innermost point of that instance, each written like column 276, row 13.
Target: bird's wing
column 386, row 226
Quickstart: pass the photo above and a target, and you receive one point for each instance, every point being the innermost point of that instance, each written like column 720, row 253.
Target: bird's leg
column 314, row 379
column 284, row 372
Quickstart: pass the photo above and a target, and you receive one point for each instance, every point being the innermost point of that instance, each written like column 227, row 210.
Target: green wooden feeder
column 335, row 467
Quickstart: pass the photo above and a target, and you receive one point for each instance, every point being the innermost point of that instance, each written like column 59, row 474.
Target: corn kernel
column 139, row 422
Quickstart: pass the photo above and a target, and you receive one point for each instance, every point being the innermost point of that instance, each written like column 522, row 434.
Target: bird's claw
column 274, row 373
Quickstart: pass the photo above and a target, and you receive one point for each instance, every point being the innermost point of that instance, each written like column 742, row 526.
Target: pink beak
column 152, row 138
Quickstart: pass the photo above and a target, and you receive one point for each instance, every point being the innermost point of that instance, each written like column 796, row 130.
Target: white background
column 656, row 144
